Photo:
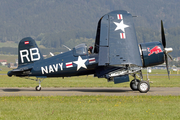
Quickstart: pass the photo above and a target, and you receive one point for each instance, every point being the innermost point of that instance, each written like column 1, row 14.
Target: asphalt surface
column 144, row 74
column 87, row 91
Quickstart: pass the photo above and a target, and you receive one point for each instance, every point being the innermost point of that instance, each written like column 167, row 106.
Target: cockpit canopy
column 80, row 49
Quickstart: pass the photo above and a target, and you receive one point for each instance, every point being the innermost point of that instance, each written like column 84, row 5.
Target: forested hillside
column 70, row 22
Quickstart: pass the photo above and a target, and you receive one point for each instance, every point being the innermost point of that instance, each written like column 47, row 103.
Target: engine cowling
column 152, row 53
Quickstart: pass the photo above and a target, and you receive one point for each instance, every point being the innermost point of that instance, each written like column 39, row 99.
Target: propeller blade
column 166, row 50
column 167, row 66
column 170, row 56
column 163, row 35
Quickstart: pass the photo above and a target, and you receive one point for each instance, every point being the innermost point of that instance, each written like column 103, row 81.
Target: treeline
column 54, row 42
column 68, row 38
column 172, row 38
column 23, row 18
column 44, row 51
column 69, row 22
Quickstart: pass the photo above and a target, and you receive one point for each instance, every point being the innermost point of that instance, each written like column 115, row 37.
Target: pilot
column 90, row 49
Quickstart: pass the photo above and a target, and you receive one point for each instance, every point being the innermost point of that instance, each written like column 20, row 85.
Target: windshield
column 81, row 49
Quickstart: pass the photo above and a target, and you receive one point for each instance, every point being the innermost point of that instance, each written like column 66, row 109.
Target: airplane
column 116, row 55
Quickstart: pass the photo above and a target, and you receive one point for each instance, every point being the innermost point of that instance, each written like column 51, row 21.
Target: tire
column 38, row 88
column 133, row 86
column 143, row 86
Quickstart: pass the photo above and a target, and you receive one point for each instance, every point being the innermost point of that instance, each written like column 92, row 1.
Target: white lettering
column 51, row 69
column 25, row 55
column 44, row 70
column 35, row 53
column 56, row 67
column 61, row 66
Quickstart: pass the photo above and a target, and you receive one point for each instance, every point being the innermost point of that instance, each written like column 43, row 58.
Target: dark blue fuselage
column 63, row 65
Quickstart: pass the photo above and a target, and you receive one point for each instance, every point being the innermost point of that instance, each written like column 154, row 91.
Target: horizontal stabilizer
column 21, row 69
column 19, row 72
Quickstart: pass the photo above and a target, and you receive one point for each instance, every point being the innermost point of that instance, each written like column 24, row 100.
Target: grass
column 8, row 44
column 83, row 81
column 158, row 78
column 90, row 107
column 4, row 69
column 9, row 58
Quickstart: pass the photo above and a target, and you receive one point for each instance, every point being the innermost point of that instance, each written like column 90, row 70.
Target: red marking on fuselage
column 69, row 64
column 26, row 42
column 155, row 50
column 92, row 60
column 119, row 16
column 122, row 36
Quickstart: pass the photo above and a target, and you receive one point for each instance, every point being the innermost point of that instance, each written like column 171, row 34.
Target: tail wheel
column 38, row 88
column 143, row 86
column 134, row 84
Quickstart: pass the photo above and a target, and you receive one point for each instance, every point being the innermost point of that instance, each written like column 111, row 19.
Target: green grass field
column 90, row 108
column 8, row 44
column 9, row 58
column 83, row 81
column 4, row 69
column 158, row 79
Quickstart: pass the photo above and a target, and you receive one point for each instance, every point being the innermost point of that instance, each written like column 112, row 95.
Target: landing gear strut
column 38, row 88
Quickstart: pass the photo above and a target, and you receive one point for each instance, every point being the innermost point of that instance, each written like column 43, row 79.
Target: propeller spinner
column 166, row 50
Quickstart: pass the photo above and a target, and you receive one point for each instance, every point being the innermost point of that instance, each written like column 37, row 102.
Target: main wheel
column 143, row 87
column 38, row 88
column 134, row 84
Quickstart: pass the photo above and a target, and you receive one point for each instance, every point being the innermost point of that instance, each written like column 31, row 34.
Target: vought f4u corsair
column 116, row 55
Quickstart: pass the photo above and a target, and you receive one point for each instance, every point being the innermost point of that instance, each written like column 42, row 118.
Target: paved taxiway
column 86, row 91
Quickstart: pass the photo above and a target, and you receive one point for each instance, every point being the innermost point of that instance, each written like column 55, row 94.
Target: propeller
column 166, row 50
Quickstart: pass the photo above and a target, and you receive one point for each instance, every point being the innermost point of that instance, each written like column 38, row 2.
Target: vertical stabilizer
column 28, row 51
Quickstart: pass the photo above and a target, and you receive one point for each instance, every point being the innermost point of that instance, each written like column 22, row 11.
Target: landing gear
column 134, row 84
column 140, row 85
column 143, row 86
column 38, row 88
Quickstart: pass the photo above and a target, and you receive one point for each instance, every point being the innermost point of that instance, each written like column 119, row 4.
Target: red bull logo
column 155, row 50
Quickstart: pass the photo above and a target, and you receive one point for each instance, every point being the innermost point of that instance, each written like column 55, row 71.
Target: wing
column 116, row 40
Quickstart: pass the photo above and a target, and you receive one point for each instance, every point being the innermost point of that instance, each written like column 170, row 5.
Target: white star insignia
column 80, row 63
column 120, row 26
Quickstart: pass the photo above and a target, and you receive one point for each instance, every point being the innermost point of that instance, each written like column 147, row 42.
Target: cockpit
column 80, row 49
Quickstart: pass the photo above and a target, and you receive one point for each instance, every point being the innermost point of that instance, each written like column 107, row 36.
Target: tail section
column 28, row 51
